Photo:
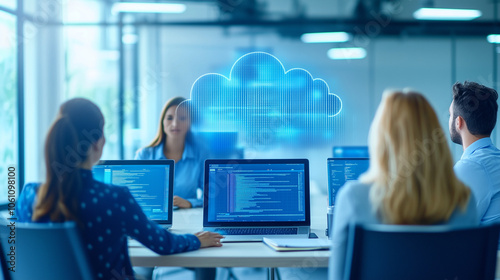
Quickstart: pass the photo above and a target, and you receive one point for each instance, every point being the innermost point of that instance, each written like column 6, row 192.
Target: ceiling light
column 325, row 37
column 148, row 8
column 493, row 38
column 446, row 14
column 346, row 53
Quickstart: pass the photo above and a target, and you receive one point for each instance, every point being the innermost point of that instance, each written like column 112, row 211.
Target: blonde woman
column 410, row 180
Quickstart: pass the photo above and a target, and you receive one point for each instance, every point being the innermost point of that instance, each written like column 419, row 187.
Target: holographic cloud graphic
column 265, row 103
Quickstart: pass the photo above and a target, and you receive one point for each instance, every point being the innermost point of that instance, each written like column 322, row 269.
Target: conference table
column 241, row 254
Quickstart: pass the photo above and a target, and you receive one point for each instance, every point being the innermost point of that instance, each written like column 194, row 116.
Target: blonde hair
column 411, row 168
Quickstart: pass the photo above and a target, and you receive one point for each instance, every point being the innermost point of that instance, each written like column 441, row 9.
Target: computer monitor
column 149, row 181
column 341, row 170
column 350, row 152
column 221, row 145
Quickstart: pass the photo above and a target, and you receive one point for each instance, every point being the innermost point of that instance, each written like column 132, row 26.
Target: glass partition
column 8, row 95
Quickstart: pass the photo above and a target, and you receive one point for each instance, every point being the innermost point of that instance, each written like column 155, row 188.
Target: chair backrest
column 421, row 252
column 5, row 274
column 50, row 251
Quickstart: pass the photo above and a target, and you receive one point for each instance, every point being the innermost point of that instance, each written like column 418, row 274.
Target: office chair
column 5, row 275
column 50, row 251
column 393, row 252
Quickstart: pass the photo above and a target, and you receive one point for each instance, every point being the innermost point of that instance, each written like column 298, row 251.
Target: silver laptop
column 149, row 181
column 246, row 200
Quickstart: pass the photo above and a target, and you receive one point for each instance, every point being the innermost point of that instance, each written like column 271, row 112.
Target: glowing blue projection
column 265, row 103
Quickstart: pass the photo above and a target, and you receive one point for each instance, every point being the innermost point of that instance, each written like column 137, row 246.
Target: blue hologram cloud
column 265, row 103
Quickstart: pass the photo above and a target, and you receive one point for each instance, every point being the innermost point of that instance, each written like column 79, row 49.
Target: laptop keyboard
column 256, row 231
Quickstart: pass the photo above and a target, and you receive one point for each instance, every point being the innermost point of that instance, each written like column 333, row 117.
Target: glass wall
column 10, row 4
column 8, row 95
column 91, row 71
column 162, row 60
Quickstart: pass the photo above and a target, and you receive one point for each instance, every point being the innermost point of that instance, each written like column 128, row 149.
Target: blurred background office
column 130, row 59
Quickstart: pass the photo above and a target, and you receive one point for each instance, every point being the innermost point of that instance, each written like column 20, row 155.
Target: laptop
column 149, row 181
column 341, row 170
column 247, row 200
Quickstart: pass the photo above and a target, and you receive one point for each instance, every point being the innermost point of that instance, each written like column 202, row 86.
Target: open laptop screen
column 150, row 182
column 258, row 192
column 341, row 170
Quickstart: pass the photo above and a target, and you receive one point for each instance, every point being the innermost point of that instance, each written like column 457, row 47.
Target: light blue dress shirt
column 353, row 206
column 479, row 168
column 188, row 171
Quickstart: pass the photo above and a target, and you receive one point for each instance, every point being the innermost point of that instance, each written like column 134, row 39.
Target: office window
column 134, row 94
column 92, row 72
column 10, row 4
column 8, row 97
column 88, row 11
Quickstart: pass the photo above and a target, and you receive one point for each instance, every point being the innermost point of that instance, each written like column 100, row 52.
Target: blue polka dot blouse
column 109, row 214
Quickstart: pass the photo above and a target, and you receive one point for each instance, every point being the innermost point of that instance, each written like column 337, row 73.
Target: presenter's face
column 176, row 122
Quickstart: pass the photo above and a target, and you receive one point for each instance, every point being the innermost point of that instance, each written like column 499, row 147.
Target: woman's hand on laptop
column 181, row 202
column 209, row 239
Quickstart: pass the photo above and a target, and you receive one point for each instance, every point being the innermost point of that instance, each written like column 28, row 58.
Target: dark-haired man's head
column 473, row 111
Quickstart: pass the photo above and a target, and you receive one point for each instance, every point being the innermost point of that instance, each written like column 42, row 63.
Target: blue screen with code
column 256, row 193
column 149, row 184
column 342, row 170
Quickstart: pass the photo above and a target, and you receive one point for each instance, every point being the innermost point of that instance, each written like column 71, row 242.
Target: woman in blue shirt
column 174, row 140
column 105, row 214
column 410, row 180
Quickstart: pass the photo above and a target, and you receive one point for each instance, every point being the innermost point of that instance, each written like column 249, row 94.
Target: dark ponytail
column 79, row 126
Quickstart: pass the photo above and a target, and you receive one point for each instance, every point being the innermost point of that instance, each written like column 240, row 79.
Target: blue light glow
column 264, row 103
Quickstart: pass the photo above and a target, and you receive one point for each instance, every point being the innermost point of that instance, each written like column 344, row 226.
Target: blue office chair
column 393, row 252
column 51, row 251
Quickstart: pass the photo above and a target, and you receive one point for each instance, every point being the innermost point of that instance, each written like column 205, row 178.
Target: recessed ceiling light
column 346, row 53
column 325, row 37
column 148, row 8
column 493, row 38
column 446, row 14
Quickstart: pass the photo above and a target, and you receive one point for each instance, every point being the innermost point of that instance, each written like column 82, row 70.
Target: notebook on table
column 246, row 200
column 294, row 244
column 149, row 181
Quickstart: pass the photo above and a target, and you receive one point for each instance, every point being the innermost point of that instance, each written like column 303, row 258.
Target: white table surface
column 244, row 254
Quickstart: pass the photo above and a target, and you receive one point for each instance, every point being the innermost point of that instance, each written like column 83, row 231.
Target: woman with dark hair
column 175, row 141
column 105, row 214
